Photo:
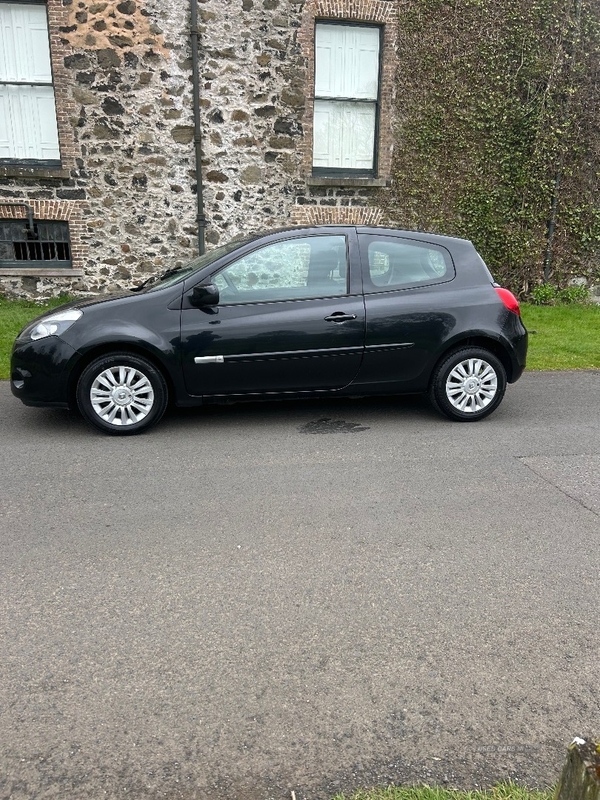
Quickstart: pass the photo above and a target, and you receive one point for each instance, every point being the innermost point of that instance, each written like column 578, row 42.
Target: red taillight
column 509, row 300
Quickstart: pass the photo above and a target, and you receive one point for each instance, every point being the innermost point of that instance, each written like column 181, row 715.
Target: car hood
column 79, row 302
column 92, row 300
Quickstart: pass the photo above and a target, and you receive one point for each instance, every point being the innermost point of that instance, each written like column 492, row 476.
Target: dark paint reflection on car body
column 363, row 339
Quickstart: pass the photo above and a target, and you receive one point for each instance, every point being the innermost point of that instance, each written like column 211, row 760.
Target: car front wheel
column 468, row 385
column 122, row 394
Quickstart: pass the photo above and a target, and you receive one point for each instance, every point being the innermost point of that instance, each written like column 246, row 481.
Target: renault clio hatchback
column 320, row 311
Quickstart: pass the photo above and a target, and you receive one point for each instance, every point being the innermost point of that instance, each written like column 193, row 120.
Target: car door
column 408, row 286
column 286, row 321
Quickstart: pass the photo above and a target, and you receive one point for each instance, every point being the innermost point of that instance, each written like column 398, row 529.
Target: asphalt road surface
column 315, row 596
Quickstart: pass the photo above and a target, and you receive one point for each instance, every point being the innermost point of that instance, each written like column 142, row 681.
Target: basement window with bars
column 44, row 245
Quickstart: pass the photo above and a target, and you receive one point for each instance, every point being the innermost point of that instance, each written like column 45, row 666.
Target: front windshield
column 205, row 260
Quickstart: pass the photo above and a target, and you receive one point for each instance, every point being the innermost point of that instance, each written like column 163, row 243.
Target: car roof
column 365, row 229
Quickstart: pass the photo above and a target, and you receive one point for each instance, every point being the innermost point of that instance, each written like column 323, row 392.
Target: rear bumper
column 517, row 340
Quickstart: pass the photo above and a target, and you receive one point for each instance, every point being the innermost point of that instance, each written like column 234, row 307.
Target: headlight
column 55, row 324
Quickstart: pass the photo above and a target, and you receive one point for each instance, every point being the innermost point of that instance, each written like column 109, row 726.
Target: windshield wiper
column 154, row 278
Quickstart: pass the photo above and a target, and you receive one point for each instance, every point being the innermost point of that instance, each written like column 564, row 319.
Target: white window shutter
column 324, row 62
column 358, row 135
column 344, row 135
column 346, row 92
column 6, row 137
column 8, row 61
column 323, row 131
column 35, row 46
column 347, row 62
column 24, row 47
column 42, row 137
column 28, row 127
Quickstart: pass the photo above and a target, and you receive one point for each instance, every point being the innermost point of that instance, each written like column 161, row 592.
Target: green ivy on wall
column 498, row 133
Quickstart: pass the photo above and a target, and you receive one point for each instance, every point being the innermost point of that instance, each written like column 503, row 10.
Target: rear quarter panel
column 409, row 330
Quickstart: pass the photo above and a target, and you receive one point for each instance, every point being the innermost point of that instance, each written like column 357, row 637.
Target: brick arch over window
column 328, row 215
column 378, row 12
column 65, row 210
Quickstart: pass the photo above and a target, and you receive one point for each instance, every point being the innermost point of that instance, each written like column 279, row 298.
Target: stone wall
column 124, row 69
column 130, row 79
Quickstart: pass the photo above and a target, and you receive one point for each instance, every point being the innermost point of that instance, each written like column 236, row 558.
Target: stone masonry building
column 99, row 141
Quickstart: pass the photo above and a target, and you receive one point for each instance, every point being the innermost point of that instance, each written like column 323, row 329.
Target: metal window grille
column 24, row 243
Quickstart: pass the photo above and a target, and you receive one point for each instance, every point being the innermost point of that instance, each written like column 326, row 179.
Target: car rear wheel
column 468, row 385
column 122, row 394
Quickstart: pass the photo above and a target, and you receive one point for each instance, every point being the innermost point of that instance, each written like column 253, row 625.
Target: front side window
column 28, row 130
column 346, row 98
column 398, row 264
column 312, row 266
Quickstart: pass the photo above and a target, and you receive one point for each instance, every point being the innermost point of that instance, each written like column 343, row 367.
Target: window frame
column 332, row 172
column 41, row 163
column 303, row 299
column 370, row 288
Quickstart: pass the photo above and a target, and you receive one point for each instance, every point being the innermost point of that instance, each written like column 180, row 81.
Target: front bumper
column 39, row 372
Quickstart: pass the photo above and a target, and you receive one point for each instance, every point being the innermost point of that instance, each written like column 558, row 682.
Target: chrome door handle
column 340, row 316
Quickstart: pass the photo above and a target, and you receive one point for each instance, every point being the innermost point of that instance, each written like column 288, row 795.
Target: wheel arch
column 482, row 341
column 106, row 348
column 472, row 392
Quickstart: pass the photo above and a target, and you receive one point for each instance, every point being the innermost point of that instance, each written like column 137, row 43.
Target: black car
column 299, row 312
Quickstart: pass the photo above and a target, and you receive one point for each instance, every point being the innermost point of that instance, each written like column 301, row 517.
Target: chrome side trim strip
column 395, row 346
column 209, row 360
column 287, row 354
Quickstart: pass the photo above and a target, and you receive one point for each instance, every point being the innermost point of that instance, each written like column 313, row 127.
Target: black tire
column 122, row 394
column 468, row 384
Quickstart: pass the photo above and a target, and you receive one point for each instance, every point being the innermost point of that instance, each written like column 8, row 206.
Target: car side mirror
column 205, row 294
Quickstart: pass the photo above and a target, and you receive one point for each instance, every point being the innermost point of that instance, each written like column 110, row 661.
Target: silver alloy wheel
column 122, row 395
column 471, row 385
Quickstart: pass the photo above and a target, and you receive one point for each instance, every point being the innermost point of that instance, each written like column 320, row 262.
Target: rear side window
column 392, row 263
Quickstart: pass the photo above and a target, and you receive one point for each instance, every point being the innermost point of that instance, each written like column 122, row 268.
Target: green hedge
column 497, row 140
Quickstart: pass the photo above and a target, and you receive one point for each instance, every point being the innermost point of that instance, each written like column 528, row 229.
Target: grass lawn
column 508, row 791
column 14, row 315
column 561, row 337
